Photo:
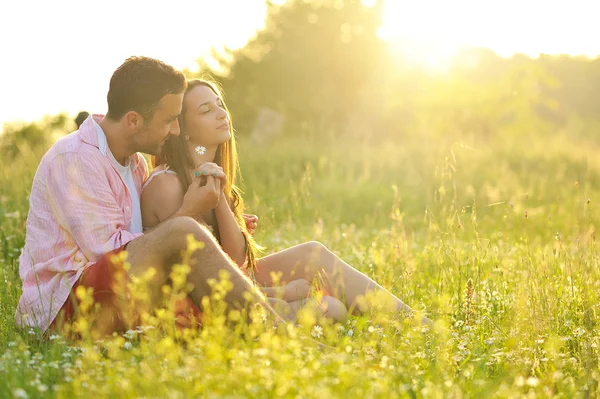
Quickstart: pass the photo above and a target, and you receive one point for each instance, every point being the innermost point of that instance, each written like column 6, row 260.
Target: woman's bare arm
column 232, row 239
column 161, row 199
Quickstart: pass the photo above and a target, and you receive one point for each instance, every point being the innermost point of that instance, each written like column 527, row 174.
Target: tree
column 312, row 63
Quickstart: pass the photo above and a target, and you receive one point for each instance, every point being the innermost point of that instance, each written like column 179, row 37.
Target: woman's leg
column 328, row 307
column 312, row 260
column 162, row 247
column 283, row 309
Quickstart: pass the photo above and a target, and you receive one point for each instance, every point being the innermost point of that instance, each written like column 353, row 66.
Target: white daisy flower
column 200, row 150
column 130, row 334
column 317, row 331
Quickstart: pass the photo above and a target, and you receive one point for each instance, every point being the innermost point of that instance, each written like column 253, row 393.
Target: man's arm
column 85, row 205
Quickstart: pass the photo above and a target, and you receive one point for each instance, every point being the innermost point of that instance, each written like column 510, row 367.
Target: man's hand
column 251, row 222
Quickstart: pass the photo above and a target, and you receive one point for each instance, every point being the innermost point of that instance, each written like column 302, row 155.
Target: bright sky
column 505, row 26
column 59, row 55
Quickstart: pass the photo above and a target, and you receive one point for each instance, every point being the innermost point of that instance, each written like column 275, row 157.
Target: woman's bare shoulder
column 162, row 196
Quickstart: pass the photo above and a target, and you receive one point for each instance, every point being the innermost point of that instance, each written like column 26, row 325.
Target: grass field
column 495, row 240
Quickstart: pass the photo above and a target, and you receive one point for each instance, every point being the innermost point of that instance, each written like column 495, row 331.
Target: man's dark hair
column 139, row 84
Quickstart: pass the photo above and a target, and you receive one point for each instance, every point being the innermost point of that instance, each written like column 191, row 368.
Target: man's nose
column 175, row 130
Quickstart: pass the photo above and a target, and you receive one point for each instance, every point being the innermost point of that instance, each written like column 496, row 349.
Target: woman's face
column 206, row 121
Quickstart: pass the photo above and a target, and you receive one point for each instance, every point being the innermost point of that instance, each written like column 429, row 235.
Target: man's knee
column 181, row 227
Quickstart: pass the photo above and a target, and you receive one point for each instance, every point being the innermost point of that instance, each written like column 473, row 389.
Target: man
column 84, row 208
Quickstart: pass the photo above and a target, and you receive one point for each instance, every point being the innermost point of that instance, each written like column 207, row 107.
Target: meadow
column 493, row 239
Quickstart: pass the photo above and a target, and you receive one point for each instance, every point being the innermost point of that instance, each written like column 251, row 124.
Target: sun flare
column 418, row 35
column 430, row 32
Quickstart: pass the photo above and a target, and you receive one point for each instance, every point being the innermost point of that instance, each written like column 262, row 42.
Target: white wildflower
column 579, row 332
column 260, row 352
column 20, row 393
column 200, row 150
column 533, row 382
column 520, row 381
column 130, row 334
column 317, row 331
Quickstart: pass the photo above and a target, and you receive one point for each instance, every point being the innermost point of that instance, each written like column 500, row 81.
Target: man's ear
column 133, row 120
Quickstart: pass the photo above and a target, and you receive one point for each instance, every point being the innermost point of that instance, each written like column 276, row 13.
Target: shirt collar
column 90, row 130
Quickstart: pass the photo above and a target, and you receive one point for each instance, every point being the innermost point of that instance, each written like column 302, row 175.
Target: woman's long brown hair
column 176, row 156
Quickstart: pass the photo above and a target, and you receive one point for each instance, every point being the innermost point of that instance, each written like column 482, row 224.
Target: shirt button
column 127, row 208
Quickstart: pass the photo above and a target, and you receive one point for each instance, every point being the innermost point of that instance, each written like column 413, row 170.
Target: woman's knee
column 314, row 253
column 334, row 309
column 314, row 247
column 282, row 308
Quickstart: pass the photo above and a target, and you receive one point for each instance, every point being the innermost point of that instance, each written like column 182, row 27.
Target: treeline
column 321, row 65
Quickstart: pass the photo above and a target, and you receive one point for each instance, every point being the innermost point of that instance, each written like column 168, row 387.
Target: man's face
column 160, row 125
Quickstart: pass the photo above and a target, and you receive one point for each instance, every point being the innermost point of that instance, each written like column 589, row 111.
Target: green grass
column 424, row 217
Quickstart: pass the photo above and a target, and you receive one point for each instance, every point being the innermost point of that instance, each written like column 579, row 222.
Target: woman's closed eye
column 207, row 108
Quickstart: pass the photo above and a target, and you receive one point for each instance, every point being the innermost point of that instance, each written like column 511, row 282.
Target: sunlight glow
column 429, row 32
column 60, row 57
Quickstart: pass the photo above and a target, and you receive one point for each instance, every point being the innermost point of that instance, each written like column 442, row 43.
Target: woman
column 206, row 147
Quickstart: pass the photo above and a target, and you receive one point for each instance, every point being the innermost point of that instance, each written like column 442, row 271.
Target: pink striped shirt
column 79, row 209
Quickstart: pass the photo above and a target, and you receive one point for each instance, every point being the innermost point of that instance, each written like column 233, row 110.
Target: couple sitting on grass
column 92, row 198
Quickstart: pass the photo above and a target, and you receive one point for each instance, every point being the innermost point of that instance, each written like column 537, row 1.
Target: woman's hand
column 201, row 196
column 207, row 169
column 295, row 290
column 251, row 222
